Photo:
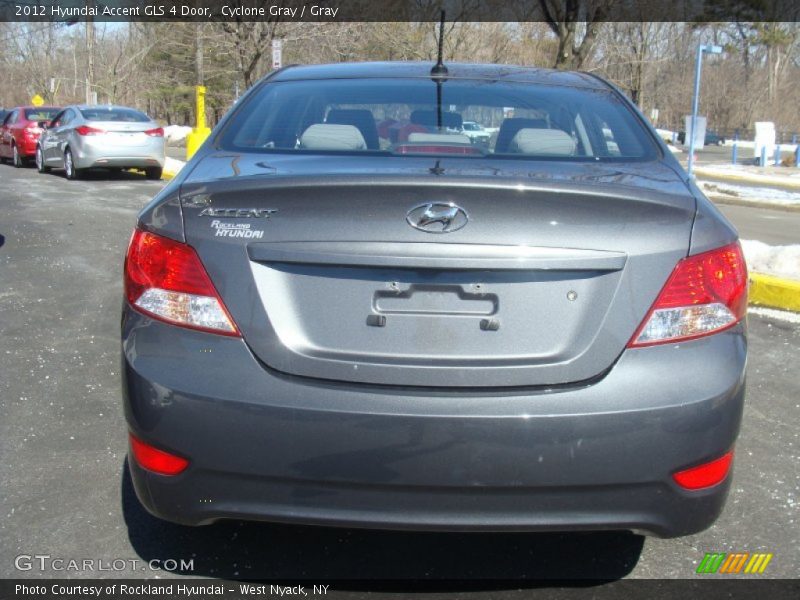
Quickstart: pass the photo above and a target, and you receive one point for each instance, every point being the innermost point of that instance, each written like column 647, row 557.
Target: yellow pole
column 200, row 132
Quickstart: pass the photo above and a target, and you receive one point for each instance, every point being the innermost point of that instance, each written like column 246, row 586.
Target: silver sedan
column 112, row 137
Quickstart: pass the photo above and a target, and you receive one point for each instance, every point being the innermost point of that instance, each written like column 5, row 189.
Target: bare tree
column 576, row 24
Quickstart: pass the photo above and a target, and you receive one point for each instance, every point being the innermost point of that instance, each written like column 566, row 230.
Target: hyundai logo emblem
column 437, row 217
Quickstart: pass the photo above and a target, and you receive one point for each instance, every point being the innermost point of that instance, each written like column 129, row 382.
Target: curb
column 779, row 181
column 725, row 199
column 767, row 290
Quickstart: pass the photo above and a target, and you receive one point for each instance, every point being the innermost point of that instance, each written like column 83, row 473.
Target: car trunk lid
column 543, row 286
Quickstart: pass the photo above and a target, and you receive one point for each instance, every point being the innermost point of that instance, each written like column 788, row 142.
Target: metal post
column 763, row 162
column 797, row 157
column 735, row 148
column 695, row 101
column 777, row 155
column 89, row 52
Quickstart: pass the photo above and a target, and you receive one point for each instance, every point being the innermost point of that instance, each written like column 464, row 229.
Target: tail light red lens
column 434, row 149
column 705, row 294
column 705, row 475
column 165, row 279
column 86, row 130
column 157, row 132
column 151, row 458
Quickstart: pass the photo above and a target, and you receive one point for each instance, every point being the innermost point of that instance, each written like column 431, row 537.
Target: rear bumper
column 267, row 446
column 127, row 162
column 90, row 153
column 26, row 146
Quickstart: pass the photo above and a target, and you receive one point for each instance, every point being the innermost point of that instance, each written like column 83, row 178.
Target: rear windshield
column 128, row 115
column 40, row 114
column 412, row 117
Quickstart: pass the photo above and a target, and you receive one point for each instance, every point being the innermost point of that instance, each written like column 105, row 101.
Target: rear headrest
column 324, row 136
column 429, row 118
column 424, row 117
column 545, row 142
column 362, row 119
column 438, row 138
column 452, row 120
column 510, row 127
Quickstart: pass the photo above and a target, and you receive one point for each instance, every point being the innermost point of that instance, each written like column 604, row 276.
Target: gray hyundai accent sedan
column 343, row 312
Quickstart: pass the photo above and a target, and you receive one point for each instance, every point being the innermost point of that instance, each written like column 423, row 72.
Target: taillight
column 166, row 280
column 86, row 130
column 157, row 132
column 436, row 149
column 705, row 475
column 705, row 294
column 151, row 458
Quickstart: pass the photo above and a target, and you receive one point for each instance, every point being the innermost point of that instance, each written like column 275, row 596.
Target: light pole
column 696, row 100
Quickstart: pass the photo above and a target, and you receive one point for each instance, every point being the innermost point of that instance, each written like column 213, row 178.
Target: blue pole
column 777, row 155
column 763, row 162
column 695, row 102
column 797, row 157
column 735, row 148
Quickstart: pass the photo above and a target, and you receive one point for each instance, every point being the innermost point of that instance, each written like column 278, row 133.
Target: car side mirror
column 43, row 124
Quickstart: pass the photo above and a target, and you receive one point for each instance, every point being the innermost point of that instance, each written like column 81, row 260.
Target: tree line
column 155, row 66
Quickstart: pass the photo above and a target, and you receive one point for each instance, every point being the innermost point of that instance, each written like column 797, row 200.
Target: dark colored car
column 20, row 132
column 711, row 139
column 324, row 325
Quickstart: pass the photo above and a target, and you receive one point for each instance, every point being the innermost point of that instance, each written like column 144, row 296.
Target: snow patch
column 752, row 144
column 173, row 166
column 782, row 315
column 752, row 194
column 781, row 261
column 176, row 133
column 666, row 135
column 778, row 176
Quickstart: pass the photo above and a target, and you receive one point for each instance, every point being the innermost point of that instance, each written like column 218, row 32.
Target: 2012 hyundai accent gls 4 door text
column 343, row 312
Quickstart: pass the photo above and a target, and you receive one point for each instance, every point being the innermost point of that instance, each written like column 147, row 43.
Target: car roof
column 103, row 106
column 400, row 70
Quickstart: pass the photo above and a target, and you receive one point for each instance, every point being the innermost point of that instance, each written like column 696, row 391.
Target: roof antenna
column 439, row 75
column 439, row 70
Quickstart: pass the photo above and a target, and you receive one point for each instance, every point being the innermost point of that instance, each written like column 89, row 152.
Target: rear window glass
column 406, row 117
column 41, row 114
column 114, row 114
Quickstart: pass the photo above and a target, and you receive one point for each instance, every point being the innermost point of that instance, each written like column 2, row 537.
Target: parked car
column 20, row 131
column 110, row 137
column 711, row 139
column 325, row 326
column 475, row 132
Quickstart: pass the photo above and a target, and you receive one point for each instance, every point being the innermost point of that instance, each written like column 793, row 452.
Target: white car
column 475, row 132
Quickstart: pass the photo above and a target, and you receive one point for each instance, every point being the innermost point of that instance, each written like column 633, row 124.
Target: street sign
column 277, row 52
column 37, row 100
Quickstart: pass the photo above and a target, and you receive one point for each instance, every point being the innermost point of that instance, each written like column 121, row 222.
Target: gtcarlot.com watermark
column 46, row 563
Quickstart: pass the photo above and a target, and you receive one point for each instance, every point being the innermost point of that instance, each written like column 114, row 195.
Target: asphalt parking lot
column 64, row 488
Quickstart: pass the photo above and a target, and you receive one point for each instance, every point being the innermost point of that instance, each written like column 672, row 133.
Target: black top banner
column 73, row 11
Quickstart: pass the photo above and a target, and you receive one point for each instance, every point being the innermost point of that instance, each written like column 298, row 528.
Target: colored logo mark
column 734, row 562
